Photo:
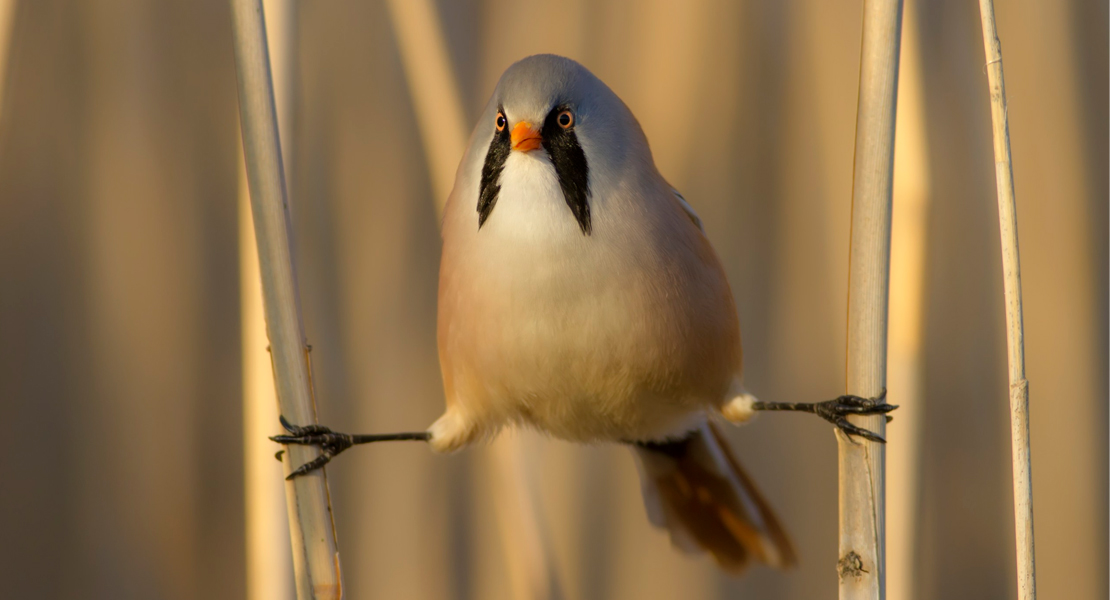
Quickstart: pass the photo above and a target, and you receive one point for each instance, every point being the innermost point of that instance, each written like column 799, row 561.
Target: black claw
column 302, row 430
column 851, row 429
column 331, row 443
column 310, row 466
column 835, row 411
column 278, row 455
column 862, row 406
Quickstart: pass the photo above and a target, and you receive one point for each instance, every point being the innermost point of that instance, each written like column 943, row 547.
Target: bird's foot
column 837, row 411
column 331, row 443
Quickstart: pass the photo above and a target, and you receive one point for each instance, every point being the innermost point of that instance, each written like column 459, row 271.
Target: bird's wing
column 689, row 210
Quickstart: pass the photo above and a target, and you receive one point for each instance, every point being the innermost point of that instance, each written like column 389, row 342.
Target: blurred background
column 121, row 356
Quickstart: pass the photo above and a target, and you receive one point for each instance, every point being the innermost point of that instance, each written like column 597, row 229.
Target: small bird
column 579, row 296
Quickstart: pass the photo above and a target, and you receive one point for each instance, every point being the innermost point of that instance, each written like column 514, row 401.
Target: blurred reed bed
column 118, row 167
column 905, row 352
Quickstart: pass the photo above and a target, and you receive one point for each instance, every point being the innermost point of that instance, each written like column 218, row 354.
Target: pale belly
column 586, row 347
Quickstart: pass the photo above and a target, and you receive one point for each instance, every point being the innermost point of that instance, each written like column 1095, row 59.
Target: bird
column 580, row 296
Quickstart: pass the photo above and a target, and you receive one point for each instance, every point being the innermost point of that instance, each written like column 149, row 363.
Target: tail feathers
column 694, row 488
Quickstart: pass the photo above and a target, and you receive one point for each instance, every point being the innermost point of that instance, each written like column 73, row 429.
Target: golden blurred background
column 121, row 361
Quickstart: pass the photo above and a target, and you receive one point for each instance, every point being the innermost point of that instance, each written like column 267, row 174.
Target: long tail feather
column 695, row 488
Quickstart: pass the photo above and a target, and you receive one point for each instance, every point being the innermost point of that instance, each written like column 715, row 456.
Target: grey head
column 556, row 109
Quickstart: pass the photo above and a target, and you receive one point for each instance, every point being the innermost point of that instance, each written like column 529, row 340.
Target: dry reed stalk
column 907, row 300
column 861, row 565
column 1015, row 334
column 269, row 563
column 315, row 555
column 7, row 24
column 439, row 115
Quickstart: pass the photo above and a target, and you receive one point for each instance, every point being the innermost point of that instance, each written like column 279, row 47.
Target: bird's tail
column 694, row 488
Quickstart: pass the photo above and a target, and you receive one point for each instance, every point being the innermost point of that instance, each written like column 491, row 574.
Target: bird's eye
column 565, row 119
column 501, row 122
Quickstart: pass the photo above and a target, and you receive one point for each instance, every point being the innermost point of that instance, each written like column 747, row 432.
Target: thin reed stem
column 1015, row 331
column 269, row 574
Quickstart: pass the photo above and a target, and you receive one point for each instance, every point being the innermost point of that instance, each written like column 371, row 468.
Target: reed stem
column 861, row 565
column 269, row 562
column 1015, row 330
column 315, row 554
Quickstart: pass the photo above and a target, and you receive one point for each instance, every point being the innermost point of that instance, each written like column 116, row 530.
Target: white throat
column 531, row 205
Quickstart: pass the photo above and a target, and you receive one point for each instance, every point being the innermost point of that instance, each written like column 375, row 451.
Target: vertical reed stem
column 1015, row 334
column 861, row 565
column 315, row 555
column 269, row 562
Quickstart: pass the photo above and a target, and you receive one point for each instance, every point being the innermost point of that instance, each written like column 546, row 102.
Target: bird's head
column 551, row 109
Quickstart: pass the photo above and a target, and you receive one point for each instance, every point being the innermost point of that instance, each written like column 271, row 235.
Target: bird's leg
column 332, row 443
column 836, row 411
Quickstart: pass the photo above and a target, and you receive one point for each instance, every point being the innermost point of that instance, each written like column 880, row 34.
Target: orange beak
column 526, row 139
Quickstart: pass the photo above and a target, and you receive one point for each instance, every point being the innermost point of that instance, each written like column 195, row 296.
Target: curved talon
column 301, row 430
column 310, row 439
column 855, row 430
column 310, row 466
column 862, row 406
column 331, row 443
column 836, row 411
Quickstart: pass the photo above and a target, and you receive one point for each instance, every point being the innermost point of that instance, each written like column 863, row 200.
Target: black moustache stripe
column 570, row 165
column 490, row 186
column 566, row 155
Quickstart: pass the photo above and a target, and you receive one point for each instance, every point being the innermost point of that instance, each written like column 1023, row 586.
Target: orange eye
column 565, row 119
column 501, row 122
